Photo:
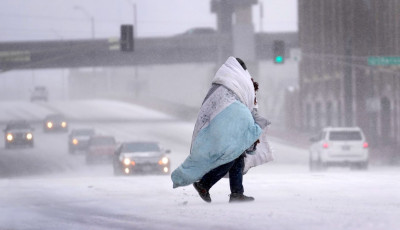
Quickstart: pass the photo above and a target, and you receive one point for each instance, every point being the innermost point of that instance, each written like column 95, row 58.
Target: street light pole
column 57, row 34
column 134, row 11
column 92, row 21
column 261, row 16
column 135, row 29
column 84, row 11
column 135, row 19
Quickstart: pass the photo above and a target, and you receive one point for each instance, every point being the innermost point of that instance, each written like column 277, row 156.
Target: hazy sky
column 57, row 19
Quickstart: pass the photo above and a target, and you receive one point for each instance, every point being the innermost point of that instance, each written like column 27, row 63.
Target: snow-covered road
column 46, row 188
column 337, row 199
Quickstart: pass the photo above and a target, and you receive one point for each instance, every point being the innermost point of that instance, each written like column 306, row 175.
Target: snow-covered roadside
column 336, row 199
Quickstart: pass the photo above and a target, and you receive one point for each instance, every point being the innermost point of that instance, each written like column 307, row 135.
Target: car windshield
column 140, row 147
column 345, row 136
column 83, row 132
column 102, row 141
column 55, row 118
column 18, row 126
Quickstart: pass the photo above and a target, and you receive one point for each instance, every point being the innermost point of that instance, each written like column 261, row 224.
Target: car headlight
column 127, row 161
column 29, row 136
column 63, row 124
column 49, row 124
column 163, row 161
column 9, row 137
column 75, row 141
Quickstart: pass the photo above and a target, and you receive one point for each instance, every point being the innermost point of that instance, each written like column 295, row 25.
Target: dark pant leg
column 215, row 175
column 235, row 169
column 236, row 176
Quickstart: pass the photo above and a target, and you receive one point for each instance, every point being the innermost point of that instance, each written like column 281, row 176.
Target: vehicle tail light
column 325, row 145
column 365, row 145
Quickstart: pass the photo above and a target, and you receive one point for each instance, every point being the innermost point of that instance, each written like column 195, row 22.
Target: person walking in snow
column 225, row 130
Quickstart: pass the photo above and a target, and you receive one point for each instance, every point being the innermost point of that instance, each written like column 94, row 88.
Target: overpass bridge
column 148, row 51
column 231, row 38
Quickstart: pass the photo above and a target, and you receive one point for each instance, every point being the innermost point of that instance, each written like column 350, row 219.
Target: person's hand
column 252, row 148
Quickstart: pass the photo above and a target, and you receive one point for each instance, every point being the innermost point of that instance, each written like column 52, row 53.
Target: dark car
column 78, row 139
column 100, row 149
column 18, row 133
column 55, row 123
column 141, row 157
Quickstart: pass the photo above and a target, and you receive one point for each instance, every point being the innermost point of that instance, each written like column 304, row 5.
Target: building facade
column 339, row 85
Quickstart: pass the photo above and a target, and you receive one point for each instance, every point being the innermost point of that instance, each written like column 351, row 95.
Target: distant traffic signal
column 278, row 51
column 126, row 40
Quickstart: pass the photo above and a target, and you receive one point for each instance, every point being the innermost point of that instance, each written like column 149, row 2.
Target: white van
column 39, row 93
column 345, row 146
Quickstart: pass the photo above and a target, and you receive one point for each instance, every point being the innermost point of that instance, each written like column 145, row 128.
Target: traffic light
column 278, row 50
column 126, row 40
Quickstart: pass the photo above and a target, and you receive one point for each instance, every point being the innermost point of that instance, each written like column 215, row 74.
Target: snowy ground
column 46, row 188
column 334, row 200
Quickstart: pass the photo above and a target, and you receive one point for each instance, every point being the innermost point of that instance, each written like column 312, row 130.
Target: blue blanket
column 223, row 139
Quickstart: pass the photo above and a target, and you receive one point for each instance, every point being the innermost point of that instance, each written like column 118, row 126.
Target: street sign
column 383, row 61
column 15, row 56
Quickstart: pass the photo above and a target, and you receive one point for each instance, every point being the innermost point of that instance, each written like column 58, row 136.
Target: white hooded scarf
column 232, row 75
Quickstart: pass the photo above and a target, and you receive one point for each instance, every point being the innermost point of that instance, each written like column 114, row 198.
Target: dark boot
column 237, row 197
column 203, row 192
